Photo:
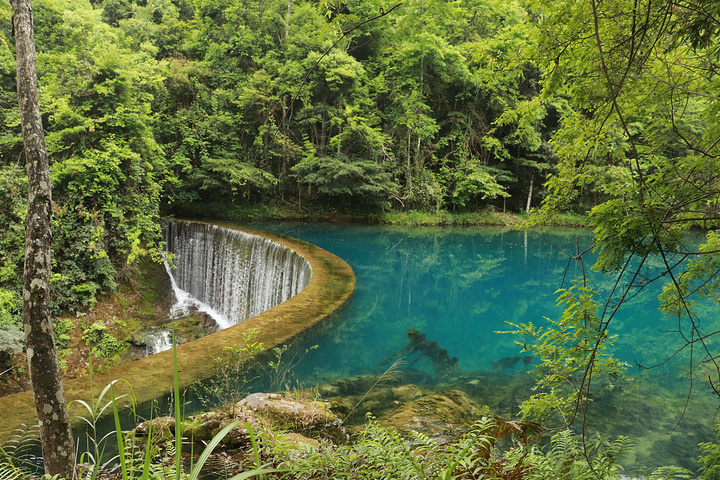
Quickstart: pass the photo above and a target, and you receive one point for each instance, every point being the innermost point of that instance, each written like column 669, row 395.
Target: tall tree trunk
column 529, row 199
column 287, row 19
column 56, row 435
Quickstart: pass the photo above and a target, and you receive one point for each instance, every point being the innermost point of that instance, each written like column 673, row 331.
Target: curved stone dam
column 231, row 274
column 235, row 271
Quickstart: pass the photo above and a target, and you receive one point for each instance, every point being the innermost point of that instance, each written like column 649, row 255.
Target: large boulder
column 286, row 413
column 163, row 428
column 258, row 410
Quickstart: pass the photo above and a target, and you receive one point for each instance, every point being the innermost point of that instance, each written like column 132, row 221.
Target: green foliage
column 356, row 181
column 230, row 373
column 12, row 341
column 709, row 459
column 12, row 335
column 571, row 350
column 483, row 452
column 62, row 328
column 636, row 143
column 13, row 184
column 148, row 461
column 567, row 458
column 182, row 105
column 102, row 342
column 476, row 180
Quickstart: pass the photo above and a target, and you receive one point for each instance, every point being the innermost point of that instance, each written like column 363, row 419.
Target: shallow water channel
column 460, row 287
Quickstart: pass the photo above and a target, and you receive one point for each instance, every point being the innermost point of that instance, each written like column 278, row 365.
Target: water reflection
column 459, row 286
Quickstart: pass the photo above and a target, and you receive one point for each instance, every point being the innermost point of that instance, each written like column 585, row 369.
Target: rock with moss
column 377, row 401
column 163, row 429
column 294, row 441
column 288, row 413
column 440, row 416
column 349, row 386
column 279, row 413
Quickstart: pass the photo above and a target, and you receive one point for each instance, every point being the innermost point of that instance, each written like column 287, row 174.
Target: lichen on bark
column 49, row 397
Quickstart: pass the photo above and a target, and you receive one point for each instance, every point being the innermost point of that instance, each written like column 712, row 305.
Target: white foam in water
column 183, row 302
column 158, row 342
column 231, row 275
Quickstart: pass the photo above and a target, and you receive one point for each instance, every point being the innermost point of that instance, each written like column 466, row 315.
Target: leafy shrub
column 229, row 381
column 62, row 328
column 491, row 449
column 103, row 343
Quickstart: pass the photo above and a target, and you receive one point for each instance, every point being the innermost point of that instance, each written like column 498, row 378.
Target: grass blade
column 255, row 472
column 256, row 452
column 148, row 456
column 118, row 431
column 210, row 447
column 178, row 423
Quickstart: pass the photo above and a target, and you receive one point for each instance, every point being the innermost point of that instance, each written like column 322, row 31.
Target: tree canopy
column 635, row 95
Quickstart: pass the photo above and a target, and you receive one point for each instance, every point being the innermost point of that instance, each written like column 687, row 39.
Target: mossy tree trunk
column 48, row 393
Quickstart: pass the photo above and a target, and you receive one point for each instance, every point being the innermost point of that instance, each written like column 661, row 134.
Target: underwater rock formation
column 505, row 363
column 438, row 415
column 419, row 347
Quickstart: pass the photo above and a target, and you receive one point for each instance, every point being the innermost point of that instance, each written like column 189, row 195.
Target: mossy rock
column 205, row 426
column 295, row 441
column 288, row 413
column 377, row 402
column 437, row 415
column 163, row 429
column 278, row 412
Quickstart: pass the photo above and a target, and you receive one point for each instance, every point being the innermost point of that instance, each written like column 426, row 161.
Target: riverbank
column 287, row 212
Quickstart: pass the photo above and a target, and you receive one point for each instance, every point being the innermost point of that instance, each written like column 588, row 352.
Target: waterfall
column 229, row 274
column 158, row 342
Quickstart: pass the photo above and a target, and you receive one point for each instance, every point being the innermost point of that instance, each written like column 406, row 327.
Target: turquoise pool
column 460, row 286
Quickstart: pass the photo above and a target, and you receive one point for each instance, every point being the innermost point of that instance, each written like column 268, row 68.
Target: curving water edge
column 330, row 289
column 230, row 274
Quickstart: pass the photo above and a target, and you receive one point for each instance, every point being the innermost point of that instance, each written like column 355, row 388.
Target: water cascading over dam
column 232, row 275
column 318, row 299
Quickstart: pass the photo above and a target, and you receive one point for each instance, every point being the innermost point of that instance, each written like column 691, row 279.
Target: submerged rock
column 377, row 401
column 438, row 415
column 406, row 393
column 349, row 386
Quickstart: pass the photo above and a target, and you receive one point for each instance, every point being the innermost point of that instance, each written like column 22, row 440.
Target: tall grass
column 135, row 463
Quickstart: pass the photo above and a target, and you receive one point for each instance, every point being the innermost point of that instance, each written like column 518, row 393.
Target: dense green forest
column 211, row 107
column 605, row 108
column 193, row 108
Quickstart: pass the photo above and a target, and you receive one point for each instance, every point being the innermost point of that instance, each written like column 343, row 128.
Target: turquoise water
column 460, row 286
column 457, row 286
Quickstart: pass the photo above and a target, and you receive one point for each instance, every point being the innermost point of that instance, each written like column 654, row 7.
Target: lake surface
column 460, row 286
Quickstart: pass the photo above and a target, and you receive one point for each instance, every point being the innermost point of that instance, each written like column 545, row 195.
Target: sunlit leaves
column 571, row 350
